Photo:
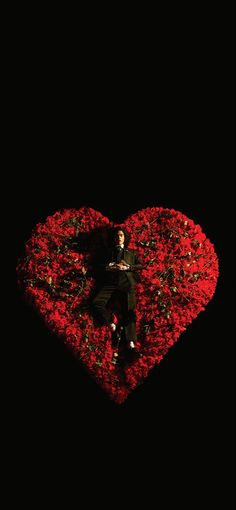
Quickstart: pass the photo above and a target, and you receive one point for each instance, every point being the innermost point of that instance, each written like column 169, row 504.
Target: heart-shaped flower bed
column 178, row 279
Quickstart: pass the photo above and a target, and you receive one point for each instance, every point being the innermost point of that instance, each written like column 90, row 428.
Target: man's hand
column 122, row 265
column 118, row 266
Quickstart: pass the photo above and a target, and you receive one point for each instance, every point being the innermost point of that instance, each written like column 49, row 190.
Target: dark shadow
column 95, row 245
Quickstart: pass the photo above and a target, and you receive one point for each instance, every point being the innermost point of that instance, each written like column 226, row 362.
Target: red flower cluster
column 178, row 280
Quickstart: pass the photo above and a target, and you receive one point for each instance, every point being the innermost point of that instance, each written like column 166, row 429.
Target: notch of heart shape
column 178, row 279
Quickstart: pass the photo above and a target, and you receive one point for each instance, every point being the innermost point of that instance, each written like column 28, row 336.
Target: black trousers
column 109, row 295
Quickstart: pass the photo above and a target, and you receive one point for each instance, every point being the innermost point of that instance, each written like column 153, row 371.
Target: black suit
column 122, row 284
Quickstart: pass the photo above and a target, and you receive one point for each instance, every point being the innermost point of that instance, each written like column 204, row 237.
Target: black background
column 146, row 124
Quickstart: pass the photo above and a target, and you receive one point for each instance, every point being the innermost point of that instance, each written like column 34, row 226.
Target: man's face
column 119, row 237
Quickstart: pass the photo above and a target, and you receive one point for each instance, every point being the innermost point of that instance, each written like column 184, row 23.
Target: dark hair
column 126, row 234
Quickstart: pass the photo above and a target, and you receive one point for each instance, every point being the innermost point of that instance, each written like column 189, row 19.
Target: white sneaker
column 113, row 326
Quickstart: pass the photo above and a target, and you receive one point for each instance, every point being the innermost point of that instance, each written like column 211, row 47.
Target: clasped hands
column 118, row 266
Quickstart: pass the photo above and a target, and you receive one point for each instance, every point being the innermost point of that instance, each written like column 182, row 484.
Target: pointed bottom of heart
column 123, row 374
column 119, row 372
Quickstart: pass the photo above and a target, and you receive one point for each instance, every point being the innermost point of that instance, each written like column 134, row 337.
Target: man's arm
column 136, row 265
column 110, row 266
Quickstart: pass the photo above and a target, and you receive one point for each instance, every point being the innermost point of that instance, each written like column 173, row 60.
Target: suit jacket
column 131, row 258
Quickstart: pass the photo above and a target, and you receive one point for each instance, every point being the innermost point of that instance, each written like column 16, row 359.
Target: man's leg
column 130, row 318
column 130, row 328
column 100, row 304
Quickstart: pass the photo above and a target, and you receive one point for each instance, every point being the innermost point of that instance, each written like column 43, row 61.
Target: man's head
column 120, row 236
